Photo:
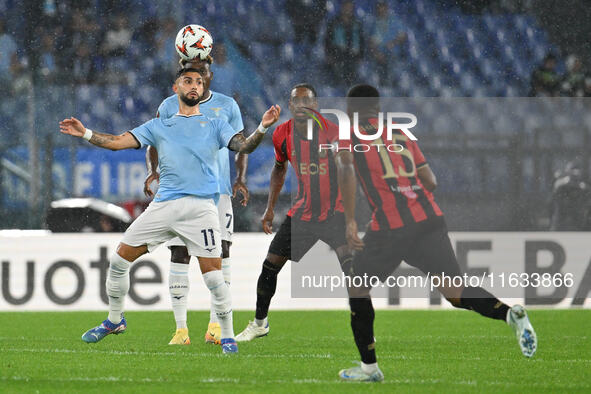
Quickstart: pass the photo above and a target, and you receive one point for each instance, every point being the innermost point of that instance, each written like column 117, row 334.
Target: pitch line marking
column 192, row 354
column 472, row 383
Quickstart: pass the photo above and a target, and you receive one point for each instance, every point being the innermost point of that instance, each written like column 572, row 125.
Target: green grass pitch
column 418, row 351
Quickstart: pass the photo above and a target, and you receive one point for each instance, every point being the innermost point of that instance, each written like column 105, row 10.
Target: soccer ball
column 192, row 42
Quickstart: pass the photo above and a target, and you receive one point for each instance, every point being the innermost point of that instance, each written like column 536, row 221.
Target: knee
column 456, row 302
column 226, row 249
column 274, row 262
column 117, row 280
column 179, row 254
column 130, row 253
column 358, row 292
column 209, row 264
column 118, row 265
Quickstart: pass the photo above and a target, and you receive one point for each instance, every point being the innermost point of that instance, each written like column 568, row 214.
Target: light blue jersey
column 217, row 106
column 188, row 149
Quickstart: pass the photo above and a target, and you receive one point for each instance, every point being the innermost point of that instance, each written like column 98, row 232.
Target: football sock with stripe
column 221, row 301
column 227, row 276
column 483, row 302
column 362, row 317
column 266, row 286
column 178, row 287
column 117, row 286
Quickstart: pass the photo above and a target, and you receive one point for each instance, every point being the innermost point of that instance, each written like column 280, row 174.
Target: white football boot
column 356, row 374
column 252, row 331
column 526, row 336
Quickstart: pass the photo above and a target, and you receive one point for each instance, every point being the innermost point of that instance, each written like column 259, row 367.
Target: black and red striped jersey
column 318, row 194
column 387, row 172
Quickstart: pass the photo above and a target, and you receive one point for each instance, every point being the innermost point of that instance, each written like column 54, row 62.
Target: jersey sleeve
column 280, row 144
column 168, row 107
column 144, row 134
column 235, row 117
column 417, row 155
column 225, row 133
column 161, row 111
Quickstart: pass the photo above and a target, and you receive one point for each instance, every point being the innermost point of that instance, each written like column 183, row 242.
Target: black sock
column 483, row 302
column 362, row 317
column 266, row 286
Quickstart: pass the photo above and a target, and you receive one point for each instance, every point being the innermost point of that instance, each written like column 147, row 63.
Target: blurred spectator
column 8, row 57
column 224, row 72
column 81, row 32
column 306, row 16
column 573, row 84
column 83, row 29
column 571, row 199
column 116, row 42
column 47, row 58
column 166, row 57
column 545, row 81
column 587, row 88
column 344, row 44
column 83, row 69
column 386, row 39
column 146, row 36
column 117, row 38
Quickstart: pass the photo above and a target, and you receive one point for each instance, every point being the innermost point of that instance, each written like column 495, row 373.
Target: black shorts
column 296, row 237
column 424, row 245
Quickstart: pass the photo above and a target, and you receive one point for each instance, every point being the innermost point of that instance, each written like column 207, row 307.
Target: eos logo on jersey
column 312, row 168
column 344, row 124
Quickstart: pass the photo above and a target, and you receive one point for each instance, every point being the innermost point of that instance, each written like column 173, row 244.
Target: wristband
column 87, row 135
column 262, row 129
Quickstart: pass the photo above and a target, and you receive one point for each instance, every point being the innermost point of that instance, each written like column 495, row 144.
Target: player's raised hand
column 267, row 221
column 72, row 126
column 240, row 186
column 353, row 239
column 271, row 116
column 152, row 176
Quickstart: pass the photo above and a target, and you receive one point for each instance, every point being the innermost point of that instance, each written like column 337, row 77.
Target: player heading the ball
column 188, row 145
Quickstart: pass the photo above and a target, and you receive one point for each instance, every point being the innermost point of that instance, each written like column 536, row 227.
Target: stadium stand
column 445, row 52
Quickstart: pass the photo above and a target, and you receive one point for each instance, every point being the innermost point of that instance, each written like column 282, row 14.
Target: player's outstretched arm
column 73, row 126
column 241, row 144
column 152, row 165
column 275, row 185
column 348, row 187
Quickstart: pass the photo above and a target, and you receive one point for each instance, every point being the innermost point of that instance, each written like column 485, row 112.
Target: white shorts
column 226, row 218
column 194, row 220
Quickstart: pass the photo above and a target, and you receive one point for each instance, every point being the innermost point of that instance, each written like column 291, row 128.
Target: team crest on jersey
column 203, row 123
column 216, row 110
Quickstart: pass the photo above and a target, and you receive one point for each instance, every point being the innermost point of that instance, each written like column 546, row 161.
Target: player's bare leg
column 117, row 288
column 222, row 302
column 178, row 287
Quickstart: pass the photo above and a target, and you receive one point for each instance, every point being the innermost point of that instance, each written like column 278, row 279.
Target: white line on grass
column 408, row 381
column 443, row 357
column 175, row 354
column 281, row 356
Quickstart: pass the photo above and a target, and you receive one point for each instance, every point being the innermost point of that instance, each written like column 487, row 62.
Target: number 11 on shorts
column 210, row 231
